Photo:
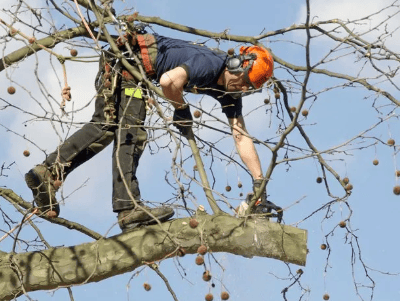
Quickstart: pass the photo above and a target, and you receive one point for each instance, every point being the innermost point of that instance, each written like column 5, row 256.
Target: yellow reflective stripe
column 136, row 92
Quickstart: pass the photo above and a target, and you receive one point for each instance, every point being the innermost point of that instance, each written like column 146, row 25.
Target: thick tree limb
column 92, row 262
column 48, row 42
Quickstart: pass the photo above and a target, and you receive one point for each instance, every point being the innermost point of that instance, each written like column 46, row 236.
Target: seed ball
column 397, row 173
column 346, row 180
column 51, row 214
column 396, row 190
column 26, row 153
column 224, row 296
column 199, row 260
column 342, row 224
column 375, row 162
column 277, row 95
column 209, row 297
column 231, row 51
column 146, row 286
column 57, row 184
column 241, row 194
column 181, row 252
column 319, row 180
column 195, row 167
column 240, row 185
column 11, row 90
column 299, row 271
column 228, row 188
column 391, row 142
column 193, row 223
column 323, row 247
column 304, row 113
column 293, row 109
column 202, row 250
column 206, row 276
column 31, row 40
column 326, row 297
column 197, row 114
column 349, row 187
column 266, row 101
column 73, row 52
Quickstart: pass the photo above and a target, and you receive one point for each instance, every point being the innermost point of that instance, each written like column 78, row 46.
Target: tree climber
column 178, row 66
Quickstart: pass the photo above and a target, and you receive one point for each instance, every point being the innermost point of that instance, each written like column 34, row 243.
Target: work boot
column 43, row 185
column 131, row 218
column 265, row 207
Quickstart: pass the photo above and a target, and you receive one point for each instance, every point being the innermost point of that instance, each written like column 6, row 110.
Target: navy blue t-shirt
column 203, row 65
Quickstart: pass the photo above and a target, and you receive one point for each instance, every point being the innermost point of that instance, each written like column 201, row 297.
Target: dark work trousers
column 96, row 135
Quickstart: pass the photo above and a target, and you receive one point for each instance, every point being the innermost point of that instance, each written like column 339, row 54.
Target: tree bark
column 95, row 261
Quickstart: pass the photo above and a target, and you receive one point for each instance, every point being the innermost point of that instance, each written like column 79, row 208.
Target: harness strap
column 144, row 41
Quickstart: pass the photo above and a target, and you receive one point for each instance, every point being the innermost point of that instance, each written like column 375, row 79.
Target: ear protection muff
column 234, row 64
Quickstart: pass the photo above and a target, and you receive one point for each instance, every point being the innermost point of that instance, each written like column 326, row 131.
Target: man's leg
column 129, row 144
column 46, row 178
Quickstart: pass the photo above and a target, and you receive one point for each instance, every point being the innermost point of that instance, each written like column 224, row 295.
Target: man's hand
column 183, row 120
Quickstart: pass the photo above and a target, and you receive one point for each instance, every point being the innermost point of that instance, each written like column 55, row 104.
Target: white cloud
column 356, row 10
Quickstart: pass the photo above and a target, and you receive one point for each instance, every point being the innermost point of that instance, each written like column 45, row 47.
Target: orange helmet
column 261, row 67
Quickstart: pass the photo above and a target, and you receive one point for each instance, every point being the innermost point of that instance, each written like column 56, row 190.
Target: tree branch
column 92, row 262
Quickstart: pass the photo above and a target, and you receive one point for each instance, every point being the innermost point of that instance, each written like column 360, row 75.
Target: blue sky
column 335, row 117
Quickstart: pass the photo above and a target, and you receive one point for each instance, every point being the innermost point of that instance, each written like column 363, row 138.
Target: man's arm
column 245, row 147
column 172, row 83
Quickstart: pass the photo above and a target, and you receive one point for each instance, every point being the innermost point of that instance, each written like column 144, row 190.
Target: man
column 178, row 66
